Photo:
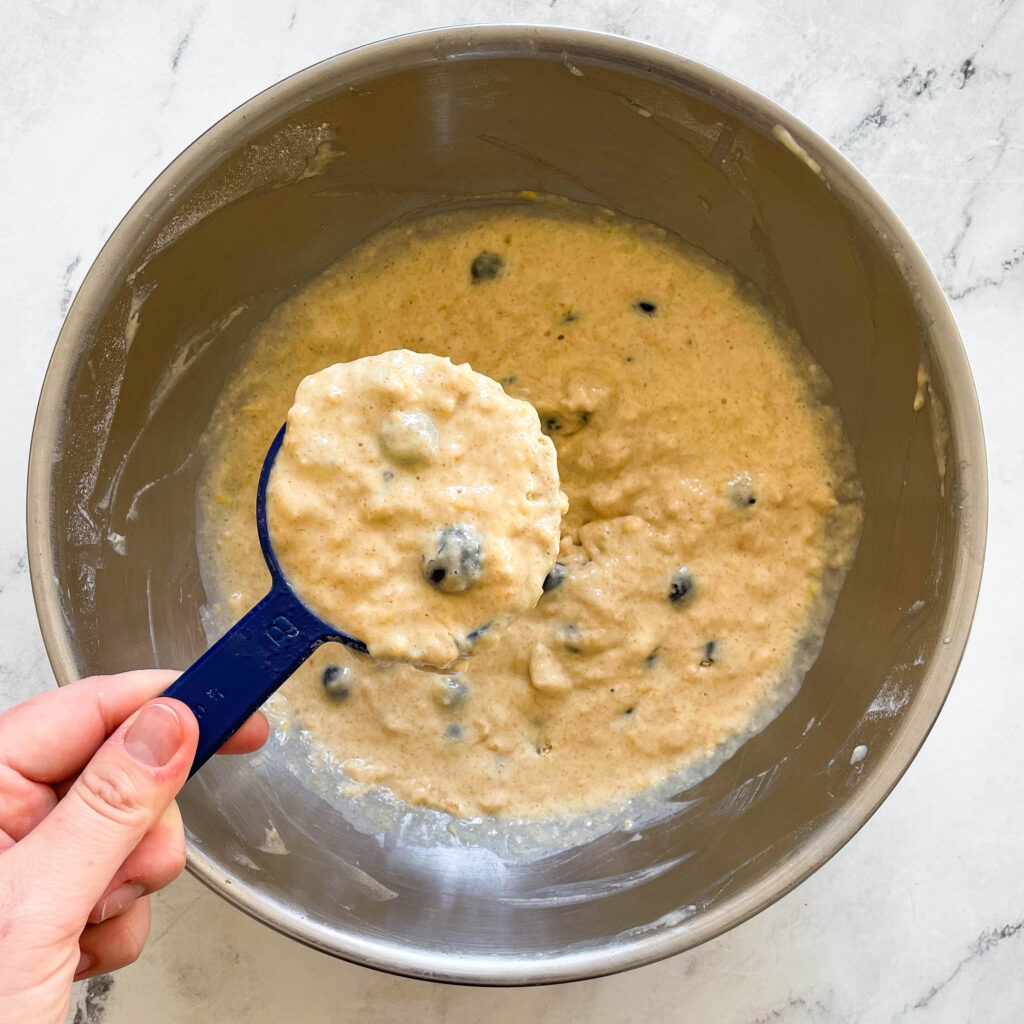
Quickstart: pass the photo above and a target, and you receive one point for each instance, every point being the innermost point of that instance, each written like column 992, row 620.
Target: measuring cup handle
column 242, row 669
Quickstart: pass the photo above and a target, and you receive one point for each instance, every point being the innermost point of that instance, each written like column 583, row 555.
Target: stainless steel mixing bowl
column 280, row 188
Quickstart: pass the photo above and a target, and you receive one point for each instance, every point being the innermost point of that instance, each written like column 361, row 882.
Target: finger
column 155, row 862
column 118, row 798
column 52, row 736
column 251, row 736
column 115, row 943
column 23, row 803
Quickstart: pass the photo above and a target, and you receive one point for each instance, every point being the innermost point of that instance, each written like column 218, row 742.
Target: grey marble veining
column 921, row 917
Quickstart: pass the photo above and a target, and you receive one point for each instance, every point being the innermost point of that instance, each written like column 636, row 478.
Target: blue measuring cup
column 246, row 665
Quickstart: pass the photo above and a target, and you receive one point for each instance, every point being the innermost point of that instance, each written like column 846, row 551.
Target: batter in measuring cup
column 713, row 507
column 413, row 504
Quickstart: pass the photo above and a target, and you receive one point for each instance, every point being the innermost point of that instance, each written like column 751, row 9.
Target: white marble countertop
column 921, row 916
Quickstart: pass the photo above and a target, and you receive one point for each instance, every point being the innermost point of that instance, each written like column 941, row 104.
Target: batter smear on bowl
column 713, row 507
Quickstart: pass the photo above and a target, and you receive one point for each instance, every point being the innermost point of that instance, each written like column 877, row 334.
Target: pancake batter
column 712, row 507
column 413, row 504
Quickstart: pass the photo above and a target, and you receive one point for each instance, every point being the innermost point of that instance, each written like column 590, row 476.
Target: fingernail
column 85, row 962
column 119, row 900
column 154, row 737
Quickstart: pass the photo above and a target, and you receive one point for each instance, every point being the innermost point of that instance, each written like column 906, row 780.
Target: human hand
column 88, row 829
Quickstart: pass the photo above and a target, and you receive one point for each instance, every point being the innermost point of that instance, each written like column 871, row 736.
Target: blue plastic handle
column 235, row 676
column 242, row 669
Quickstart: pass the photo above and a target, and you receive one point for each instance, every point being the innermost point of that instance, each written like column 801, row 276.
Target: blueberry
column 741, row 491
column 710, row 649
column 475, row 634
column 486, row 267
column 408, row 437
column 570, row 635
column 566, row 424
column 453, row 559
column 555, row 578
column 652, row 659
column 453, row 731
column 451, row 692
column 646, row 307
column 336, row 680
column 682, row 588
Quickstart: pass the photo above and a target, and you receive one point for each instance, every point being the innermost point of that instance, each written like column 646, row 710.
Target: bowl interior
column 277, row 191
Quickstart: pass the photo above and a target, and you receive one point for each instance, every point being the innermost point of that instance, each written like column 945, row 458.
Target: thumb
column 129, row 783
